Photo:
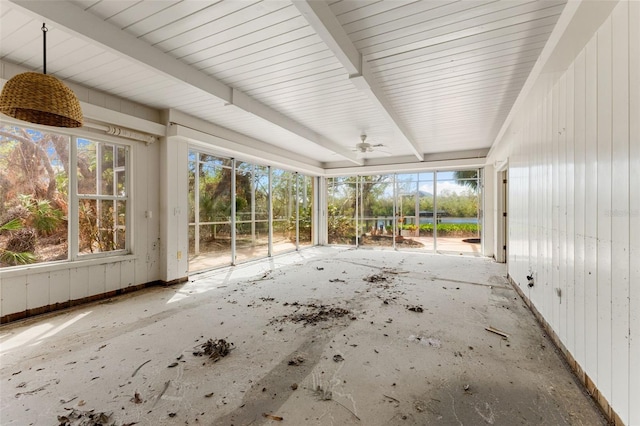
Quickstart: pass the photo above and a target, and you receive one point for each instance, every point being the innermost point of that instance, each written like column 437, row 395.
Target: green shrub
column 43, row 217
column 447, row 229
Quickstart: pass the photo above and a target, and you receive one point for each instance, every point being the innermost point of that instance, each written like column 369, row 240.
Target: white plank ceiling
column 419, row 77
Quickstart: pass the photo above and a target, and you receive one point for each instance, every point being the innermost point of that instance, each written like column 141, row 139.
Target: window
column 39, row 212
column 102, row 196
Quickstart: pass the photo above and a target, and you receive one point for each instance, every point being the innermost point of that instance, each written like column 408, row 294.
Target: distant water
column 451, row 220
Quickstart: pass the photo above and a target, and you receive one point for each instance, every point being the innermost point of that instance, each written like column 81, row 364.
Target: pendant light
column 41, row 98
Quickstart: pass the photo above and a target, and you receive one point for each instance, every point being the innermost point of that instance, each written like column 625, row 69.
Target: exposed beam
column 326, row 25
column 97, row 31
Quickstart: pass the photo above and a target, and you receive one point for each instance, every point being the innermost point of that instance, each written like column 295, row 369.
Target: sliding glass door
column 429, row 211
column 239, row 211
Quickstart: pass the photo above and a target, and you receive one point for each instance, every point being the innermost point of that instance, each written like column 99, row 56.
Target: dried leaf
column 272, row 417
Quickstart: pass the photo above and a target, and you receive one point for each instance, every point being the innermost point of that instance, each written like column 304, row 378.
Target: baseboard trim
column 71, row 303
column 591, row 388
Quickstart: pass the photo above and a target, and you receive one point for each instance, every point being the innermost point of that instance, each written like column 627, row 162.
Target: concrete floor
column 381, row 364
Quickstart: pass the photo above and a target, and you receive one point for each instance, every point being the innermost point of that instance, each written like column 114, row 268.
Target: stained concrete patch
column 378, row 364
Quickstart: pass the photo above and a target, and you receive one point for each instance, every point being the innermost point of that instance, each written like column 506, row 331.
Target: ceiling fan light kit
column 41, row 98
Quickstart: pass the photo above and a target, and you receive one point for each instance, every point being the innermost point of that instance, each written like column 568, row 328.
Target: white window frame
column 73, row 219
column 75, row 198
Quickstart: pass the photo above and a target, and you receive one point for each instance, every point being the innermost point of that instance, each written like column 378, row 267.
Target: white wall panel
column 112, row 276
column 97, row 277
column 604, row 209
column 37, row 290
column 59, row 286
column 14, row 294
column 574, row 152
column 569, row 213
column 634, row 210
column 591, row 205
column 560, row 298
column 127, row 274
column 620, row 213
column 555, row 208
column 579, row 124
column 78, row 283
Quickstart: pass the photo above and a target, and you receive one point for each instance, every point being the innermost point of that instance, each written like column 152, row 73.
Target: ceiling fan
column 363, row 147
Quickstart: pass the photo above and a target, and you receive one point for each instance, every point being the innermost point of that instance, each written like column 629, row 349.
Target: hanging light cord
column 44, row 48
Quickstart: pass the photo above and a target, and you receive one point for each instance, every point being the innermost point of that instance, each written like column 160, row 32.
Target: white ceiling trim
column 227, row 147
column 326, row 25
column 96, row 30
column 440, row 165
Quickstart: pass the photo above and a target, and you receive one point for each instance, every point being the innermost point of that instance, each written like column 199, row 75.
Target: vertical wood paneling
column 591, row 208
column 634, row 210
column 37, row 290
column 604, row 209
column 570, row 236
column 96, row 279
column 547, row 213
column 620, row 212
column 14, row 294
column 112, row 276
column 562, row 298
column 579, row 196
column 127, row 274
column 580, row 152
column 555, row 207
column 79, row 283
column 59, row 286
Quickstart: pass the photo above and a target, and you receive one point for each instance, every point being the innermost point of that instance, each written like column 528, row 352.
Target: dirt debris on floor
column 375, row 278
column 87, row 418
column 313, row 314
column 214, row 349
column 339, row 369
column 296, row 360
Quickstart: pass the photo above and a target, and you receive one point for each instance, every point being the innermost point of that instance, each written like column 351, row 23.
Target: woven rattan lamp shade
column 41, row 99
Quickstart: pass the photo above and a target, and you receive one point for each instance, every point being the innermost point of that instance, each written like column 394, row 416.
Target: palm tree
column 467, row 178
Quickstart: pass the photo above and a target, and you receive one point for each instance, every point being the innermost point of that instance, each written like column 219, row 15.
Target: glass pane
column 427, row 212
column 458, row 224
column 305, row 210
column 341, row 202
column 284, row 214
column 106, row 169
column 193, row 166
column 415, row 211
column 121, row 160
column 215, row 161
column 121, row 183
column 213, row 246
column 210, row 216
column 244, row 191
column 376, row 220
column 34, row 188
column 252, row 227
column 102, row 225
column 261, row 182
column 215, row 194
column 97, row 172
